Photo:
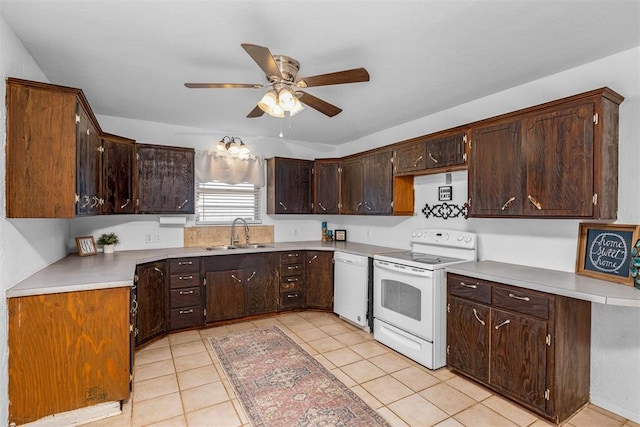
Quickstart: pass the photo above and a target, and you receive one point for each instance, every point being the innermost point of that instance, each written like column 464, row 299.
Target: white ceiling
column 131, row 57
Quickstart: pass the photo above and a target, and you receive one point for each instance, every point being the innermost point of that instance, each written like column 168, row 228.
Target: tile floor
column 179, row 382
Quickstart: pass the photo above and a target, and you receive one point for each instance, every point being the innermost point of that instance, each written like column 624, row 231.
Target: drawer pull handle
column 292, row 279
column 292, row 267
column 507, row 203
column 186, row 311
column 158, row 270
column 236, row 279
column 292, row 295
column 534, row 202
column 475, row 313
column 185, row 277
column 292, row 255
column 185, row 263
column 468, row 286
column 433, row 159
column 518, row 298
column 251, row 277
column 506, row 322
column 186, row 292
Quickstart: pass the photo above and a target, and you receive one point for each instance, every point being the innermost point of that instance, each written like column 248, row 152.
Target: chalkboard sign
column 604, row 251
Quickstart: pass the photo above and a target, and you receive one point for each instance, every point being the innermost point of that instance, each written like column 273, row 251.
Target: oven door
column 403, row 297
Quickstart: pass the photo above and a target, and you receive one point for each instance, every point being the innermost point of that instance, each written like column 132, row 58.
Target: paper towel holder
column 175, row 221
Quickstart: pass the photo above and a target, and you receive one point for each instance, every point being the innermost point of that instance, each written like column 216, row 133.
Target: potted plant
column 108, row 241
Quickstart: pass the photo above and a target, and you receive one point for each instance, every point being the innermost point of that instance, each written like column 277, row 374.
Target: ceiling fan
column 285, row 94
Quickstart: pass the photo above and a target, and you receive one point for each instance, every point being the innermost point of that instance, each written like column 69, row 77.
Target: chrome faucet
column 234, row 238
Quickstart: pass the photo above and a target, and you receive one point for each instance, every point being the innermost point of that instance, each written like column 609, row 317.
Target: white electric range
column 409, row 293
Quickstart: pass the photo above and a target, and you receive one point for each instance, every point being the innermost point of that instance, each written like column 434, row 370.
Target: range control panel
column 451, row 238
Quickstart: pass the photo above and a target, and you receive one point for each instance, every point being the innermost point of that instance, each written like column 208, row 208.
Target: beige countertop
column 75, row 273
column 551, row 281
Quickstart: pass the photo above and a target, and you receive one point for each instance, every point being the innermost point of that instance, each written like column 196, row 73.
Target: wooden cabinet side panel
column 606, row 163
column 569, row 381
column 41, row 153
column 67, row 351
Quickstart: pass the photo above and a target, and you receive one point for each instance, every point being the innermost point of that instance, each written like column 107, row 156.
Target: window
column 218, row 203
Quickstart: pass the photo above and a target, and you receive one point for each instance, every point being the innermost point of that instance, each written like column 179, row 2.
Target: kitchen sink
column 248, row 246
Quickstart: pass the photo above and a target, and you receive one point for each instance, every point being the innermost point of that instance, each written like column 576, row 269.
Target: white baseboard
column 79, row 416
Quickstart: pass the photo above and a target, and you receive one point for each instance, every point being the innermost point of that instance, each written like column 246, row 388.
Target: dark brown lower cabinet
column 151, row 299
column 529, row 346
column 240, row 285
column 319, row 279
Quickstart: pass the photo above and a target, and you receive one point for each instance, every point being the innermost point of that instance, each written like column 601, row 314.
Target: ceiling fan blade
column 264, row 59
column 348, row 76
column 316, row 103
column 256, row 112
column 223, row 85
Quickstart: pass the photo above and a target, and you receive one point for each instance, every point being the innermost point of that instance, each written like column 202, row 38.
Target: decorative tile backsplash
column 221, row 235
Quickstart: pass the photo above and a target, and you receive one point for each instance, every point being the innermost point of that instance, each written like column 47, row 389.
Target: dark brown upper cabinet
column 366, row 184
column 556, row 160
column 326, row 186
column 53, row 152
column 289, row 186
column 445, row 151
column 118, row 169
column 165, row 179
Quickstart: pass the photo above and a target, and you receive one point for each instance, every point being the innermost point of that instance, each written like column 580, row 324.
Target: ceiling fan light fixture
column 286, row 99
column 297, row 107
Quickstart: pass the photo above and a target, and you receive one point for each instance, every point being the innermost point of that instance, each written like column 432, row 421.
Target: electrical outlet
column 148, row 238
column 157, row 237
column 295, row 231
column 368, row 234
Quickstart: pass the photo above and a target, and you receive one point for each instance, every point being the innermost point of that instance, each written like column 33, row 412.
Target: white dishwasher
column 350, row 287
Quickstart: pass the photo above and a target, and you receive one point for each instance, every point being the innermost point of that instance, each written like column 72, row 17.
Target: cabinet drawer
column 291, row 283
column 185, row 317
column 295, row 256
column 291, row 269
column 185, row 297
column 289, row 300
column 469, row 288
column 523, row 301
column 184, row 265
column 185, row 280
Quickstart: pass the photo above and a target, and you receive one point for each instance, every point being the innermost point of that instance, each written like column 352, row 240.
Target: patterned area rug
column 280, row 384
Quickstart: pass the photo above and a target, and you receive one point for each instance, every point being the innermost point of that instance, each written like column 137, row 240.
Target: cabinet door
column 289, row 182
column 225, row 295
column 352, row 186
column 88, row 166
column 468, row 337
column 378, row 184
column 326, row 187
column 319, row 279
column 495, row 171
column 151, row 295
column 410, row 157
column 444, row 151
column 165, row 179
column 519, row 356
column 260, row 288
column 117, row 175
column 558, row 148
